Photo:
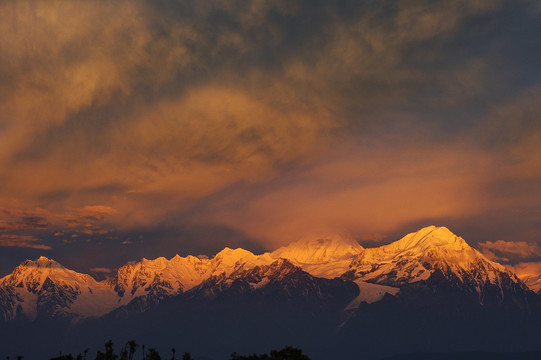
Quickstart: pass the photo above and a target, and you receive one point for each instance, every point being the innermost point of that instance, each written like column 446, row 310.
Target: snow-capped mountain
column 433, row 255
column 161, row 278
column 437, row 256
column 413, row 257
column 45, row 288
column 281, row 278
column 428, row 290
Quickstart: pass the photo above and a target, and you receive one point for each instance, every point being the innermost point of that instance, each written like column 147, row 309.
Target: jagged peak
column 159, row 262
column 177, row 259
column 321, row 249
column 277, row 267
column 280, row 267
column 41, row 262
column 282, row 263
column 325, row 256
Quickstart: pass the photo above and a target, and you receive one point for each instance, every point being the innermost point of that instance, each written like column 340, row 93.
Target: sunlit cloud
column 358, row 194
column 529, row 272
column 510, row 251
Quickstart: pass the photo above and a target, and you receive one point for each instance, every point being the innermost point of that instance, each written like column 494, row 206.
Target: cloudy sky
column 150, row 128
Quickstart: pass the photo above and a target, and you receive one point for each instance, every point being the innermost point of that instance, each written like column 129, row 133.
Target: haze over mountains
column 432, row 282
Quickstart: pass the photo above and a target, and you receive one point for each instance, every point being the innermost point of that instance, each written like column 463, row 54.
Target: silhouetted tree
column 153, row 354
column 68, row 357
column 287, row 353
column 187, row 356
column 236, row 356
column 109, row 352
column 124, row 353
column 132, row 346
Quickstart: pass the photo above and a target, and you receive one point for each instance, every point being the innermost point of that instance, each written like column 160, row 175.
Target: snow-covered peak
column 32, row 274
column 418, row 255
column 228, row 260
column 319, row 250
column 412, row 259
column 180, row 273
column 228, row 254
column 43, row 261
column 156, row 264
column 431, row 241
column 431, row 236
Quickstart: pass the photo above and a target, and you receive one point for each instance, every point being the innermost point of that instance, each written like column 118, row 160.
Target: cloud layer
column 201, row 124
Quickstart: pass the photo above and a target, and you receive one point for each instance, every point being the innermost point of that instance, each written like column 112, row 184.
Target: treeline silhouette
column 287, row 353
column 130, row 348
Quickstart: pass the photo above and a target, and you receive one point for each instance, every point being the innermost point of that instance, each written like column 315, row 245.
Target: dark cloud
column 27, row 228
column 22, row 241
column 25, row 222
column 85, row 252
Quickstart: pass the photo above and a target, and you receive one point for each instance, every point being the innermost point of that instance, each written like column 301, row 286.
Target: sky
column 133, row 129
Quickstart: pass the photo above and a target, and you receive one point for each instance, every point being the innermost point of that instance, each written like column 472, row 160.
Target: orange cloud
column 24, row 241
column 360, row 194
column 529, row 272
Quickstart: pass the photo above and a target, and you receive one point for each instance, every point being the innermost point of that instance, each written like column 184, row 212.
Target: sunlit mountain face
column 332, row 291
column 240, row 175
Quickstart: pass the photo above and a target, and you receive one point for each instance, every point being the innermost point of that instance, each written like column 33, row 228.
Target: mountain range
column 429, row 291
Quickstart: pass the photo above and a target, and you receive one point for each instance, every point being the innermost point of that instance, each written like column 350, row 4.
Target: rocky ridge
column 431, row 256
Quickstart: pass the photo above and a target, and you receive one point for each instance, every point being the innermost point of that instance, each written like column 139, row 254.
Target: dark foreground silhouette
column 472, row 355
column 130, row 348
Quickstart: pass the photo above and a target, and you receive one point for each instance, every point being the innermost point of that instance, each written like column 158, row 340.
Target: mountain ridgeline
column 429, row 291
